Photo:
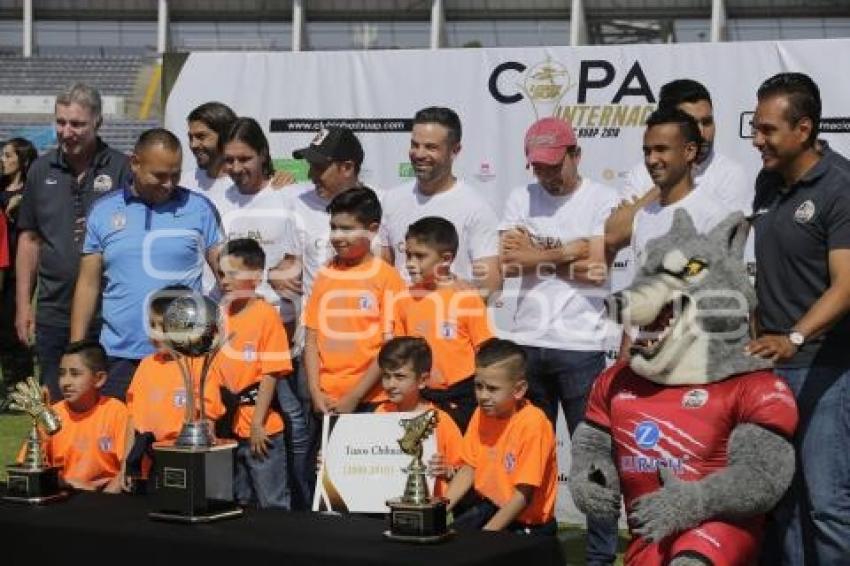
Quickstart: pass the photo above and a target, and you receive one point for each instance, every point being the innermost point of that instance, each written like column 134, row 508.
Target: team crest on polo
column 102, row 183
column 364, row 302
column 179, row 398
column 119, row 220
column 104, row 443
column 695, row 398
column 249, row 352
column 510, row 462
column 805, row 212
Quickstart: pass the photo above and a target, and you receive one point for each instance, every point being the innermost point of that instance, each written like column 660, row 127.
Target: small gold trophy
column 416, row 516
column 34, row 481
column 194, row 474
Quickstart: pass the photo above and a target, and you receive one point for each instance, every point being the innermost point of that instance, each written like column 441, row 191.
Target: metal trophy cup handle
column 416, row 516
column 196, row 431
column 34, row 481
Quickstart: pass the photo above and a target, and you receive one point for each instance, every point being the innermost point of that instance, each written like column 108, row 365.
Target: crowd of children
column 371, row 345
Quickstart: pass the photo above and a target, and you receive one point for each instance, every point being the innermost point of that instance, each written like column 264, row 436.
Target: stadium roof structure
column 591, row 21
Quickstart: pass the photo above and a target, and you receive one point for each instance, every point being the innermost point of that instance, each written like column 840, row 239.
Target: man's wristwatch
column 796, row 338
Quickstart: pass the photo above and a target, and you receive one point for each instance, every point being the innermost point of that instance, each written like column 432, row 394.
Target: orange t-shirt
column 156, row 398
column 449, row 441
column 258, row 346
column 91, row 446
column 350, row 310
column 508, row 452
column 453, row 322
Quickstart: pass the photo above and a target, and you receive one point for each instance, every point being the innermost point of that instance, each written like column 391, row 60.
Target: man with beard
column 434, row 145
column 208, row 124
column 61, row 188
column 552, row 233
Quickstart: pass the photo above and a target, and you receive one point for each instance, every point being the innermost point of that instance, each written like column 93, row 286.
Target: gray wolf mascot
column 694, row 433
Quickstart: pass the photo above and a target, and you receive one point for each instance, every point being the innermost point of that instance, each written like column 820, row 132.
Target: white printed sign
column 362, row 464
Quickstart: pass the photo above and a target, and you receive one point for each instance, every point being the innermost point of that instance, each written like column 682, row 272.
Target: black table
column 93, row 529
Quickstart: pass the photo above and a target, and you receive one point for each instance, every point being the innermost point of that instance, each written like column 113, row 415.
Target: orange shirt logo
column 448, row 330
column 510, row 462
column 104, row 443
column 179, row 398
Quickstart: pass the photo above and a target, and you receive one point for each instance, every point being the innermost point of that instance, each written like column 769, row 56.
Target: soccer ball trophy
column 194, row 474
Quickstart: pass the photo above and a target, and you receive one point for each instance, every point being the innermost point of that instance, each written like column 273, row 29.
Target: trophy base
column 193, row 485
column 42, row 500
column 422, row 523
column 418, row 539
column 209, row 517
column 33, row 486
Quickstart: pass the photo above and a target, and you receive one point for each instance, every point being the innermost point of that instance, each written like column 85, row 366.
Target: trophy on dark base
column 34, row 481
column 194, row 474
column 416, row 516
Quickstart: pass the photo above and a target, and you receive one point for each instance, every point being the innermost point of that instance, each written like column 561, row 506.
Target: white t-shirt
column 462, row 205
column 655, row 220
column 718, row 174
column 306, row 232
column 198, row 180
column 553, row 312
column 260, row 216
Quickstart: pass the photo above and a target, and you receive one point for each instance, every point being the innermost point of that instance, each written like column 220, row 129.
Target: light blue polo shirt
column 145, row 248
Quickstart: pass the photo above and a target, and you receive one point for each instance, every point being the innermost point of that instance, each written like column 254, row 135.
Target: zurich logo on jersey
column 647, row 434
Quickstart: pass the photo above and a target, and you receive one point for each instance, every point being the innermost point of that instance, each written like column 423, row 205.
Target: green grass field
column 13, row 431
column 14, row 428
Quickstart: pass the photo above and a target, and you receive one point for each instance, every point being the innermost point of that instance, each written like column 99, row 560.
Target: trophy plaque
column 34, row 481
column 194, row 474
column 416, row 516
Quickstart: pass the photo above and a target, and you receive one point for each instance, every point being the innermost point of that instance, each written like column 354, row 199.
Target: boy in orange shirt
column 453, row 319
column 249, row 366
column 405, row 365
column 156, row 398
column 348, row 314
column 92, row 443
column 508, row 450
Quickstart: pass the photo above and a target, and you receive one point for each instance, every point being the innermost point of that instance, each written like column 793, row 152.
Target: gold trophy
column 194, row 474
column 416, row 516
column 34, row 481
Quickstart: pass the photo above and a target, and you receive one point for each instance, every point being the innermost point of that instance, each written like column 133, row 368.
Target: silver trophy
column 34, row 480
column 194, row 474
column 191, row 326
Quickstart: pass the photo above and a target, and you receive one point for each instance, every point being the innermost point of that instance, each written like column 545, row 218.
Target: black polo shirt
column 55, row 206
column 795, row 229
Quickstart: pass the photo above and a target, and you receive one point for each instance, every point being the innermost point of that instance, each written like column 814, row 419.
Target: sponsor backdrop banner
column 606, row 92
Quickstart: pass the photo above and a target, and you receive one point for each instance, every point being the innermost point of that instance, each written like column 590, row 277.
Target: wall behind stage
column 606, row 92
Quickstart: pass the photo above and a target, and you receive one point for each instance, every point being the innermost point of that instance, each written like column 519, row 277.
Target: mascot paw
column 595, row 494
column 673, row 508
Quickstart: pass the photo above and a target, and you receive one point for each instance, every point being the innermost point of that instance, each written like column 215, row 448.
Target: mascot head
column 691, row 300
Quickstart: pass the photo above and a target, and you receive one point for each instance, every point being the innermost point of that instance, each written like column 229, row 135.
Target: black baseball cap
column 334, row 143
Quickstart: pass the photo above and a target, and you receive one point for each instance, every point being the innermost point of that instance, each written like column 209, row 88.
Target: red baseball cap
column 547, row 140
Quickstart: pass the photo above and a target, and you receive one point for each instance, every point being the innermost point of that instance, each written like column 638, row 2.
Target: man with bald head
column 148, row 234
